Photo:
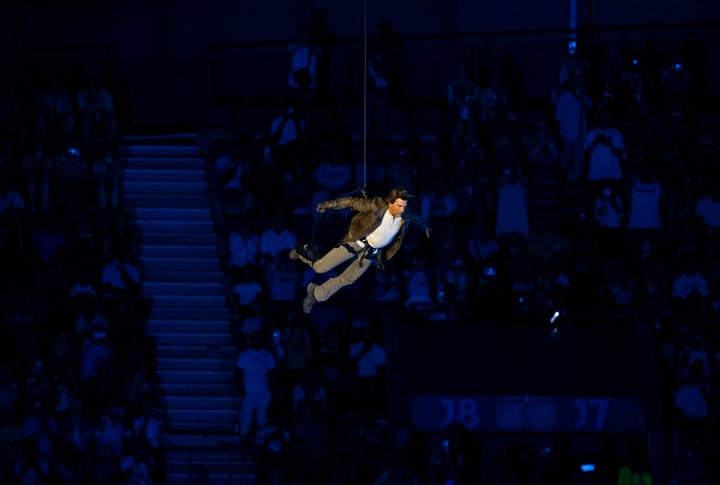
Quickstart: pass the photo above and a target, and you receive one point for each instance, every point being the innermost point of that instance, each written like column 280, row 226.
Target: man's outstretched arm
column 354, row 203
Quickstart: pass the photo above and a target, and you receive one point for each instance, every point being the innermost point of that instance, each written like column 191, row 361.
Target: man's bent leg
column 351, row 274
column 332, row 258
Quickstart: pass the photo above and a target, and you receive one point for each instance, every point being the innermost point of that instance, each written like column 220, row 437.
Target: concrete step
column 190, row 301
column 179, row 250
column 132, row 188
column 216, row 364
column 164, row 163
column 170, row 263
column 160, row 150
column 174, row 238
column 210, row 343
column 152, row 200
column 195, row 389
column 204, row 402
column 180, row 445
column 203, row 415
column 179, row 225
column 183, row 275
column 164, row 174
column 214, row 314
column 184, row 288
column 196, row 351
column 221, row 452
column 205, row 326
column 200, row 377
column 172, row 213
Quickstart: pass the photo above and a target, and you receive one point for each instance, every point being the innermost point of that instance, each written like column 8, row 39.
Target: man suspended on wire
column 375, row 234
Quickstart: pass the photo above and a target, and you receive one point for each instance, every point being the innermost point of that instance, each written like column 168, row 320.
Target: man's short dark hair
column 399, row 193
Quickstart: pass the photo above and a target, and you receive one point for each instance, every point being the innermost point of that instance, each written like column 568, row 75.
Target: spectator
column 298, row 350
column 8, row 396
column 632, row 87
column 622, row 289
column 265, row 181
column 247, row 286
column 99, row 124
column 573, row 70
column 495, row 102
column 379, row 71
column 119, row 236
column 404, row 169
column 542, row 145
column 140, row 390
column 604, row 150
column 283, row 283
column 690, row 398
column 572, row 109
column 13, row 245
column 693, row 349
column 368, row 360
column 418, row 284
column 609, row 214
column 107, row 171
column 305, row 57
column 512, row 206
column 463, row 99
column 386, row 287
column 54, row 117
column 96, row 358
column 326, row 40
column 287, row 141
column 83, row 254
column 245, row 321
column 481, row 247
column 39, row 428
column 48, row 241
column 38, row 169
column 609, row 210
column 81, row 431
column 109, row 433
column 553, row 284
column 231, row 168
column 676, row 84
column 89, row 318
column 707, row 213
column 309, row 391
column 72, row 179
column 689, row 282
column 120, row 277
column 243, row 247
column 254, row 366
column 276, row 241
column 333, row 175
column 645, row 222
column 146, row 428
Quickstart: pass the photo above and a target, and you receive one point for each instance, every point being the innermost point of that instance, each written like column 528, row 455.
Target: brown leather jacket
column 368, row 218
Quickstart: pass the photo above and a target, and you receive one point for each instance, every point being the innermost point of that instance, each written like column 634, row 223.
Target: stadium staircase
column 166, row 193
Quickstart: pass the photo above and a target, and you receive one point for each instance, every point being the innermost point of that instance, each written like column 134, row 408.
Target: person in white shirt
column 707, row 210
column 120, row 276
column 604, row 148
column 243, row 247
column 253, row 368
column 276, row 240
column 690, row 282
column 690, row 397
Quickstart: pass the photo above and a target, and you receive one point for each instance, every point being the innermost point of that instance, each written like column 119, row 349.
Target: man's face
column 397, row 207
